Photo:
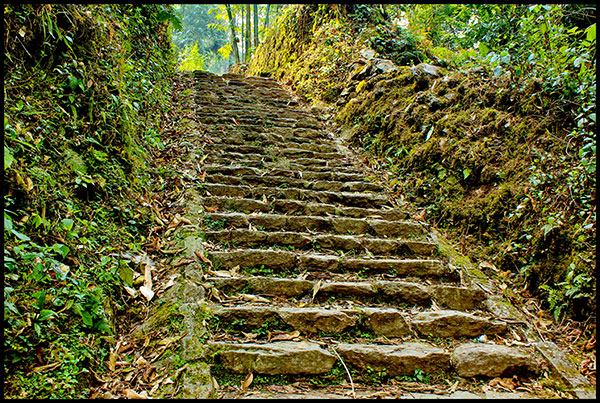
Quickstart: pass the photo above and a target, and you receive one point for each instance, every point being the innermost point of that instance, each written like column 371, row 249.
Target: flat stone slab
column 396, row 360
column 455, row 324
column 561, row 364
column 294, row 358
column 492, row 360
column 312, row 320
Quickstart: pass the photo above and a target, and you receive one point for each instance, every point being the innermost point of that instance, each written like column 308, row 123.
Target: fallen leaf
column 286, row 336
column 131, row 394
column 203, row 176
column 215, row 383
column 146, row 292
column 264, row 198
column 205, row 260
column 253, row 298
column 487, row 265
column 315, row 290
column 183, row 261
column 250, row 336
column 212, row 209
column 247, row 381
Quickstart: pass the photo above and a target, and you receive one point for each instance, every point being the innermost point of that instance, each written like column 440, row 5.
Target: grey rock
column 455, row 324
column 492, row 360
column 312, row 320
column 318, row 262
column 396, row 360
column 405, row 292
column 459, row 298
column 275, row 358
column 347, row 288
column 387, row 322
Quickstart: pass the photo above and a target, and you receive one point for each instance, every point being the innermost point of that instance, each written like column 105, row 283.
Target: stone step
column 404, row 359
column 346, row 243
column 298, row 207
column 228, row 157
column 278, row 142
column 237, row 170
column 263, row 136
column 334, row 225
column 385, row 291
column 287, row 152
column 252, row 260
column 348, row 199
column 378, row 321
column 282, row 181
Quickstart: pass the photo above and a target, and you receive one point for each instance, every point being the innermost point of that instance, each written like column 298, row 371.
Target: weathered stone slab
column 396, row 360
column 406, row 292
column 388, row 322
column 249, row 258
column 253, row 316
column 315, row 262
column 492, row 360
column 312, row 320
column 561, row 364
column 459, row 298
column 280, row 286
column 284, row 357
column 386, row 228
column 455, row 324
column 404, row 267
column 347, row 288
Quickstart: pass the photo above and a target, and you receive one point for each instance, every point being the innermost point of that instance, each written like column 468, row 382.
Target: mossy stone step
column 238, row 170
column 391, row 292
column 241, row 158
column 299, row 207
column 279, row 260
column 345, row 243
column 335, row 225
column 288, row 151
column 283, row 357
column 281, row 181
column 348, row 199
column 277, row 142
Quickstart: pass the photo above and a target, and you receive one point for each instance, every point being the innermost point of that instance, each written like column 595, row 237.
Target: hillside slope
column 493, row 161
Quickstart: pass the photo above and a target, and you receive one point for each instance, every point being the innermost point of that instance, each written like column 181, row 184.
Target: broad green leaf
column 22, row 237
column 8, row 158
column 67, row 223
column 87, row 319
column 126, row 275
column 46, row 314
column 591, row 33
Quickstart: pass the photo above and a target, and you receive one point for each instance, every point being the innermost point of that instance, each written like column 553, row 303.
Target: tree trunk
column 233, row 36
column 248, row 29
column 267, row 17
column 255, row 25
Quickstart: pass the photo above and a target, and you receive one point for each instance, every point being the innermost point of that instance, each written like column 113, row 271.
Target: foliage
column 86, row 92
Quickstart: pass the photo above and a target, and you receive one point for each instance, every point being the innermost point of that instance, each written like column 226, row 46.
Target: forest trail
column 318, row 282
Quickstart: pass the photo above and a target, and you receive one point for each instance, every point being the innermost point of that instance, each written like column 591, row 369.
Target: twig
column 348, row 372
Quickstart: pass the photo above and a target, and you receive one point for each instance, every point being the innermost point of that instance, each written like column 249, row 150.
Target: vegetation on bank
column 86, row 95
column 498, row 148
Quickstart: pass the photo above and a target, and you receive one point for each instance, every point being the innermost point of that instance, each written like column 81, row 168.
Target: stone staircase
column 311, row 270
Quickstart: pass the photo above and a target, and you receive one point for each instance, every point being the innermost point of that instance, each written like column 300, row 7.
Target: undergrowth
column 86, row 89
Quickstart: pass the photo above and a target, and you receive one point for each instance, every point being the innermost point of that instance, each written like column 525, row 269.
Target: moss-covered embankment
column 488, row 159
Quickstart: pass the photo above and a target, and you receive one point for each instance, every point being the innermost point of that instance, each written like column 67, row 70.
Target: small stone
column 492, row 360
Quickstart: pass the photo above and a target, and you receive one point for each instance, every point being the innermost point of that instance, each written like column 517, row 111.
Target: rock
column 459, row 298
column 407, row 292
column 312, row 320
column 196, row 382
column 454, row 324
column 561, row 365
column 368, row 53
column 252, row 316
column 347, row 288
column 396, row 360
column 280, row 286
column 424, row 68
column 318, row 263
column 387, row 322
column 492, row 360
column 275, row 358
column 384, row 66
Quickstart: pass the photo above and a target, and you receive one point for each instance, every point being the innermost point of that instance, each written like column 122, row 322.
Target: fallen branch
column 348, row 372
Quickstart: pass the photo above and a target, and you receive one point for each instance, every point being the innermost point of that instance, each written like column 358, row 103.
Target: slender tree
column 255, row 25
column 248, row 30
column 267, row 17
column 233, row 36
